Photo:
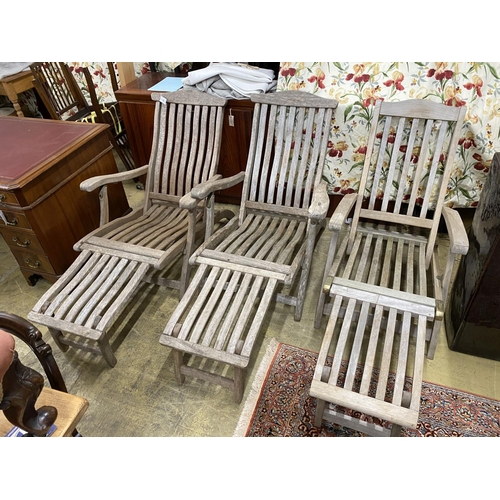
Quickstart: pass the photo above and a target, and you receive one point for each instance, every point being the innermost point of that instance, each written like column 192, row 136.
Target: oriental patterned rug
column 279, row 404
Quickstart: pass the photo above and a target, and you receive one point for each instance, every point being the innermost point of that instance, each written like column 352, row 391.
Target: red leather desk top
column 26, row 144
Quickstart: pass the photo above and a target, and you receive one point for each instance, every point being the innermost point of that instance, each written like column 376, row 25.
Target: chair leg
column 318, row 416
column 322, row 295
column 431, row 346
column 395, row 430
column 107, row 352
column 239, row 384
column 178, row 362
column 304, row 275
column 57, row 335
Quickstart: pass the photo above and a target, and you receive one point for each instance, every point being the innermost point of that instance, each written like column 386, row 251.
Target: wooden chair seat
column 151, row 237
column 270, row 244
column 151, row 244
column 261, row 244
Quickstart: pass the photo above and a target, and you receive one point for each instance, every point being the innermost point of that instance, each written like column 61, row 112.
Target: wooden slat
column 384, row 296
column 204, row 351
column 246, row 313
column 279, row 133
column 283, row 169
column 65, row 300
column 223, row 303
column 123, row 299
column 396, row 218
column 302, row 153
column 246, row 261
column 358, row 402
column 114, row 285
column 186, row 137
column 433, row 171
column 204, row 147
column 232, row 313
column 380, row 161
column 192, row 318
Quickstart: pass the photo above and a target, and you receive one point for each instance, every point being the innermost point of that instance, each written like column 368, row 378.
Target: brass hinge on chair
column 328, row 285
column 439, row 310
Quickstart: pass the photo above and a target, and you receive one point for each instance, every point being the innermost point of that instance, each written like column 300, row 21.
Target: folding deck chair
column 270, row 244
column 384, row 286
column 80, row 308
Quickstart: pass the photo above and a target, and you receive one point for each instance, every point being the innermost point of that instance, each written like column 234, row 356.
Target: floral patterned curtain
column 358, row 85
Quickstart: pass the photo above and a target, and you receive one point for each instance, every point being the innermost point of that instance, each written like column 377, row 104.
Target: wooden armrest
column 102, row 180
column 216, row 183
column 342, row 211
column 320, row 202
column 459, row 242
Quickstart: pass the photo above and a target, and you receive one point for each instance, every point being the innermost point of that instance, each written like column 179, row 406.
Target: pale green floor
column 139, row 397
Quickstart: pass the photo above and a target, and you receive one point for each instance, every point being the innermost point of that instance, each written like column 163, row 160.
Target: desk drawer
column 21, row 239
column 8, row 197
column 14, row 219
column 34, row 261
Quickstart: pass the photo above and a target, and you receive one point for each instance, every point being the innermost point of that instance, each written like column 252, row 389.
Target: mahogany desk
column 137, row 110
column 43, row 212
column 13, row 85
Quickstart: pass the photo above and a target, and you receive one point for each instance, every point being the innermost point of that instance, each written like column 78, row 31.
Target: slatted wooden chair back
column 287, row 149
column 409, row 158
column 186, row 143
column 59, row 93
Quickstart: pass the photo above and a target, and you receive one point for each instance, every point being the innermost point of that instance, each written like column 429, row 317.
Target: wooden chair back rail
column 177, row 167
column 112, row 76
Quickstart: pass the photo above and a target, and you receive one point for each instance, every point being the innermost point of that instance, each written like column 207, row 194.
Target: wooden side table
column 43, row 212
column 12, row 86
column 137, row 110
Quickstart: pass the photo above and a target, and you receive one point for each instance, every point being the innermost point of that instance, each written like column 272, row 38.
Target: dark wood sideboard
column 472, row 318
column 138, row 115
column 43, row 212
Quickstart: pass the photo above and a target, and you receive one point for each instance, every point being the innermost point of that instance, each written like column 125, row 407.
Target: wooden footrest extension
column 370, row 366
column 87, row 299
column 219, row 318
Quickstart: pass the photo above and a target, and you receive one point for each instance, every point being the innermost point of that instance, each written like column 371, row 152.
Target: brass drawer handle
column 13, row 223
column 35, row 265
column 15, row 239
column 3, row 216
column 3, row 197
